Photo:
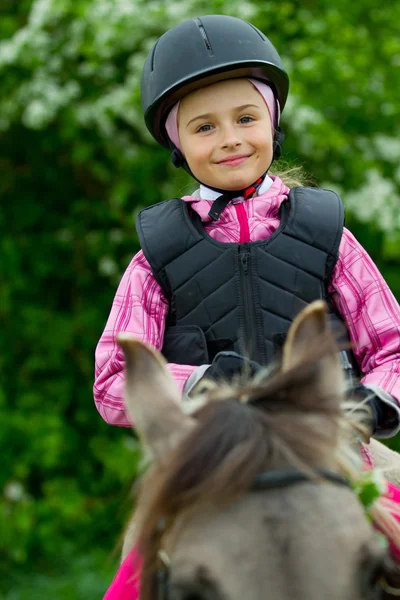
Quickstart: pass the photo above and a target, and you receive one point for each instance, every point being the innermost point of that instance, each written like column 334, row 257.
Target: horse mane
column 242, row 430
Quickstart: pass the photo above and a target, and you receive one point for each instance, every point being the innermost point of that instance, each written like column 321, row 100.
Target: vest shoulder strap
column 316, row 217
column 157, row 227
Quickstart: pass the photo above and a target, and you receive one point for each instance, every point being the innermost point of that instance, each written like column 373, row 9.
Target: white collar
column 206, row 193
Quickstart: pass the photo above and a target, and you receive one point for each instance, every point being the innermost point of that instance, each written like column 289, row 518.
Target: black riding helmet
column 202, row 51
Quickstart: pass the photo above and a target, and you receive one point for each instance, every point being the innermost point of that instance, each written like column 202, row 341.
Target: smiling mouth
column 233, row 161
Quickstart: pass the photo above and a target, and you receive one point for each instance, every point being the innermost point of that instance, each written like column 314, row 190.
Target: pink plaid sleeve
column 372, row 315
column 139, row 308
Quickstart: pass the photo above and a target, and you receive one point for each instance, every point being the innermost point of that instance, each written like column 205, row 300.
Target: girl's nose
column 230, row 138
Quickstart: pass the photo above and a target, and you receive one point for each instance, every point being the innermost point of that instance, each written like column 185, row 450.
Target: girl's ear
column 152, row 398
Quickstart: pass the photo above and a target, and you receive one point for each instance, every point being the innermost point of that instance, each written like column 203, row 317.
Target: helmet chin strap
column 178, row 160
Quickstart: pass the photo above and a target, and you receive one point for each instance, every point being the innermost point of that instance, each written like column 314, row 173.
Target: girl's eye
column 246, row 119
column 204, row 128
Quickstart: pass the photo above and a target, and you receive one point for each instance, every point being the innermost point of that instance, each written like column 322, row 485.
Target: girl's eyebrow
column 235, row 108
column 205, row 116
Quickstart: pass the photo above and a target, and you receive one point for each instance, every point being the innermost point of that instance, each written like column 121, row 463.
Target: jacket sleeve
column 372, row 315
column 139, row 308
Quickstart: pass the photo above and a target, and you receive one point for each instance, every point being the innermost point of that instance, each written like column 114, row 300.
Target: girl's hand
column 227, row 365
column 374, row 403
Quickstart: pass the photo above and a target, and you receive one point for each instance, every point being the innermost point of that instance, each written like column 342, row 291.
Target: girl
column 222, row 273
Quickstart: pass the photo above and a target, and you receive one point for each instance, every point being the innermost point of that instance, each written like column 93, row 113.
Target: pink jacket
column 357, row 290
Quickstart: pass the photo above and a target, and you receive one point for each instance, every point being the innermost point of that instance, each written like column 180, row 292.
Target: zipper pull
column 244, row 258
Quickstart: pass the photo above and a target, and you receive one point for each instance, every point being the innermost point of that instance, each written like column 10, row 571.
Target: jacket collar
column 205, row 193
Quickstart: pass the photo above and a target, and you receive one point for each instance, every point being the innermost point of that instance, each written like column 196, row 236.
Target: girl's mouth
column 233, row 161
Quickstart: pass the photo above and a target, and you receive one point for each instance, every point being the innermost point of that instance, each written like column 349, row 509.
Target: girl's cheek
column 202, row 148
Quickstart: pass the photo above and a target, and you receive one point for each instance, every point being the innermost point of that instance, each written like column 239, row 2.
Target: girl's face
column 225, row 133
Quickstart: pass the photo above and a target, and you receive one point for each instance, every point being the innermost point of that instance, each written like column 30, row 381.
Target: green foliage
column 76, row 165
column 79, row 579
column 369, row 488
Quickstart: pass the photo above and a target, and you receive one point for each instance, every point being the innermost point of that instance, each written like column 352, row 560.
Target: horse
column 251, row 494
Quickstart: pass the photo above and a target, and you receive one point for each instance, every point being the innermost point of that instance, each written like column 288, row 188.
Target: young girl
column 222, row 273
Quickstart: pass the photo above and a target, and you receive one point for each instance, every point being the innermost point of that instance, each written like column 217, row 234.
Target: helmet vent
column 153, row 55
column 258, row 32
column 204, row 35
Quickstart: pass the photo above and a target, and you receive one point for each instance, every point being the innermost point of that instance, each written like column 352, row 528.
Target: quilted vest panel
column 240, row 297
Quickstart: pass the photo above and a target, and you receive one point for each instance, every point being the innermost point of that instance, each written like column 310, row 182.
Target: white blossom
column 388, row 148
column 14, row 491
column 377, row 200
column 108, row 266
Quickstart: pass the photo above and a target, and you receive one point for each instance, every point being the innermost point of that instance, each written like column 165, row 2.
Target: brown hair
column 291, row 176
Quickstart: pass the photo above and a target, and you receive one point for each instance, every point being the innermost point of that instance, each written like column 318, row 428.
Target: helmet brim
column 157, row 113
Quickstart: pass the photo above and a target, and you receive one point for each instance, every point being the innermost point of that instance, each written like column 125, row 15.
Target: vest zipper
column 249, row 334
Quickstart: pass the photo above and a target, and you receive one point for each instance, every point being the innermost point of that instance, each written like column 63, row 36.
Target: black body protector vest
column 241, row 297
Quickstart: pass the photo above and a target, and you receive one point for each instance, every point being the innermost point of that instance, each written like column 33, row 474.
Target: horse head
column 248, row 497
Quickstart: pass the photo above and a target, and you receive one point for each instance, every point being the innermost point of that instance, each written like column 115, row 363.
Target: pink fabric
column 126, row 583
column 393, row 492
column 367, row 458
column 243, row 224
column 266, row 92
column 357, row 290
column 171, row 124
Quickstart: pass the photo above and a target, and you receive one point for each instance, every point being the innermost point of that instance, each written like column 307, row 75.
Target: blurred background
column 76, row 164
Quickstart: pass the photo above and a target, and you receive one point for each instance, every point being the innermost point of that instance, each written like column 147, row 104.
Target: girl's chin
column 240, row 183
column 234, row 180
column 240, row 180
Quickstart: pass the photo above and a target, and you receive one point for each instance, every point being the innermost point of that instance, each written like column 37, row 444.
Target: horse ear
column 152, row 398
column 311, row 327
column 311, row 323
